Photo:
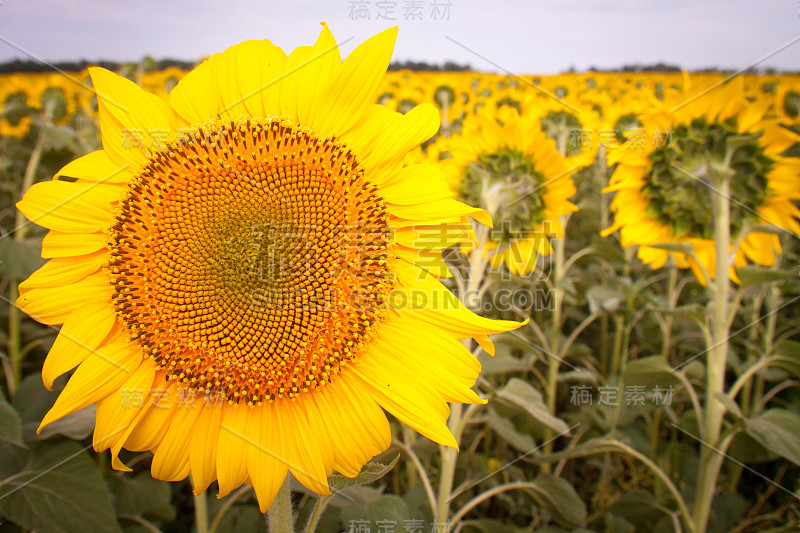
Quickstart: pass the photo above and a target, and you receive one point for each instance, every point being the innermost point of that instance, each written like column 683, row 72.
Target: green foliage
column 552, row 451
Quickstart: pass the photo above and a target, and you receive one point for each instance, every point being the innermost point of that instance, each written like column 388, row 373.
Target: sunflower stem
column 710, row 458
column 244, row 489
column 554, row 361
column 671, row 302
column 477, row 269
column 316, row 512
column 15, row 354
column 279, row 516
column 200, row 512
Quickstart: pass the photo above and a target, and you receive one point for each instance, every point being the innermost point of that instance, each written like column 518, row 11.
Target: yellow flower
column 506, row 162
column 239, row 271
column 663, row 186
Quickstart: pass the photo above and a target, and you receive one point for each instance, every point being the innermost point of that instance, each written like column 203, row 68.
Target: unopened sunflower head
column 664, row 185
column 244, row 272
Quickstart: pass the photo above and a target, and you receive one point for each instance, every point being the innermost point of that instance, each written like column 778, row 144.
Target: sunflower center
column 510, row 177
column 678, row 189
column 250, row 259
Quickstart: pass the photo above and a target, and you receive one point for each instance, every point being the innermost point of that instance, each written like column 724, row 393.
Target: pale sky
column 538, row 36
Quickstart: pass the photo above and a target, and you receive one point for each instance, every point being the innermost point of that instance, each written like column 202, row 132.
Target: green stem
column 15, row 354
column 752, row 354
column 201, row 512
column 279, row 516
column 671, row 302
column 554, row 361
column 717, row 358
column 449, row 455
column 244, row 489
column 316, row 512
column 772, row 303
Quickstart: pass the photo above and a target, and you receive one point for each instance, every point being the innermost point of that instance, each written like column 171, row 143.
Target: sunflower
column 236, row 290
column 506, row 161
column 663, row 185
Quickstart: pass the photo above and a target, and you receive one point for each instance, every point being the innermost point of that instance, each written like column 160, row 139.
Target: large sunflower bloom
column 506, row 162
column 662, row 185
column 247, row 268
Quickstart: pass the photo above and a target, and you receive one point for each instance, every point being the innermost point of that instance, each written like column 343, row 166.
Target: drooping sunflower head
column 253, row 259
column 665, row 188
column 505, row 163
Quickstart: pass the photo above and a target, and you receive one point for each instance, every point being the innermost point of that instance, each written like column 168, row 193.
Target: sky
column 531, row 37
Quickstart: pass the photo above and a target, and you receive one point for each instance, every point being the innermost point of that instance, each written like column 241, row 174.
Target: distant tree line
column 150, row 64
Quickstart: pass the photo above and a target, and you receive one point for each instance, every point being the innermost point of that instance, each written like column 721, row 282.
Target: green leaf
column 727, row 510
column 33, row 400
column 787, row 355
column 607, row 299
column 386, row 509
column 59, row 137
column 485, row 525
column 371, row 472
column 559, row 498
column 694, row 312
column 60, row 490
column 241, row 518
column 10, row 425
column 777, row 430
column 141, row 495
column 76, row 426
column 524, row 396
column 639, row 507
column 754, row 274
column 681, row 247
column 19, row 259
column 503, row 362
column 652, row 370
column 506, row 430
column 729, row 404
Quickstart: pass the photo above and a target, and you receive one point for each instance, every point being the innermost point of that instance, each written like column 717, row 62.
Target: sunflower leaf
column 524, row 396
column 776, row 430
column 680, row 247
column 60, row 490
column 560, row 499
column 10, row 425
column 19, row 259
column 753, row 274
column 371, row 472
column 653, row 370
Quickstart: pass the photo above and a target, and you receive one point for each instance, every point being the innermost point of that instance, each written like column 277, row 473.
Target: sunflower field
column 572, row 299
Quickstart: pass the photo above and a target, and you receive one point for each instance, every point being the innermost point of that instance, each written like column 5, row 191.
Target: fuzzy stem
column 279, row 516
column 449, row 455
column 201, row 512
column 710, row 463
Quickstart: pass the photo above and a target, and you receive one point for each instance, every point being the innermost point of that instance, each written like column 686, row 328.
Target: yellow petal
column 97, row 377
column 356, row 85
column 132, row 121
column 59, row 244
column 264, row 467
column 118, row 410
column 70, row 207
column 53, row 305
column 81, row 334
column 232, row 448
column 203, row 447
column 95, row 166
